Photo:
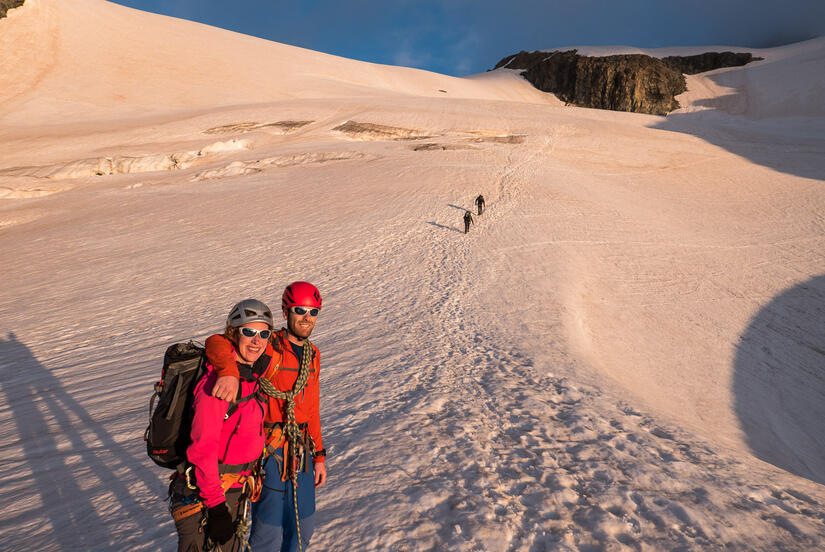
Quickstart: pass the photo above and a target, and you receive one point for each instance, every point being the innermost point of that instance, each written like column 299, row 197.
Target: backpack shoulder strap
column 233, row 406
column 239, row 400
column 254, row 394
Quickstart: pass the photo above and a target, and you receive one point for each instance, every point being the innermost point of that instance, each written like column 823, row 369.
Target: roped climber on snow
column 480, row 203
column 283, row 517
column 468, row 220
column 210, row 495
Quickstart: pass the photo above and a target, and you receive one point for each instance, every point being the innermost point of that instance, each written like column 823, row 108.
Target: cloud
column 408, row 56
column 464, row 54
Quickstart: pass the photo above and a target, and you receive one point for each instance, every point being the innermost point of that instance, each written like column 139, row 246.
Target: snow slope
column 624, row 353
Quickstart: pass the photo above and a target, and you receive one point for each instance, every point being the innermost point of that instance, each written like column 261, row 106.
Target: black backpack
column 168, row 434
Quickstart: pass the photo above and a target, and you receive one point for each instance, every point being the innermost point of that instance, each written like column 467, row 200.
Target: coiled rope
column 291, row 429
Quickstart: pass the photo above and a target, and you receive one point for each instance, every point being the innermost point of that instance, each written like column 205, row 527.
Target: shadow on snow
column 453, row 228
column 782, row 144
column 87, row 482
column 779, row 381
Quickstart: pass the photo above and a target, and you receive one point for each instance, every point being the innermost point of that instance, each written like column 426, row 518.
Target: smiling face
column 300, row 326
column 251, row 348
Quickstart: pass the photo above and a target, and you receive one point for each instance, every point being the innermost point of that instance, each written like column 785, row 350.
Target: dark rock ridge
column 6, row 5
column 637, row 83
column 629, row 82
column 690, row 65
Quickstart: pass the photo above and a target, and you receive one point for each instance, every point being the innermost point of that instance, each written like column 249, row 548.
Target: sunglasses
column 300, row 311
column 252, row 332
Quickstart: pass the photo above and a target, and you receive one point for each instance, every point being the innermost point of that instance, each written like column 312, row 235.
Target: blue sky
column 460, row 37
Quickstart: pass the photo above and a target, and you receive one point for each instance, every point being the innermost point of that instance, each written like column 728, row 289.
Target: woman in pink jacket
column 227, row 440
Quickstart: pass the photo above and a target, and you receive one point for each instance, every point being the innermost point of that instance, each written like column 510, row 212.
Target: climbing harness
column 230, row 477
column 190, row 504
column 291, row 429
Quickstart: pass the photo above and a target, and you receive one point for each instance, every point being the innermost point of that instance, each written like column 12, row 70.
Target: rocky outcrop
column 637, row 83
column 690, row 65
column 631, row 82
column 6, row 5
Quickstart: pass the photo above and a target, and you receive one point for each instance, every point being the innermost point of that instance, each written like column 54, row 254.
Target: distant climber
column 468, row 220
column 480, row 203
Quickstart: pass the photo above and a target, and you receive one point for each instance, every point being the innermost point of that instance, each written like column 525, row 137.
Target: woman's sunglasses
column 300, row 311
column 252, row 332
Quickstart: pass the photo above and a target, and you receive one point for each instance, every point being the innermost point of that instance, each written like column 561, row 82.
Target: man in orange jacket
column 293, row 424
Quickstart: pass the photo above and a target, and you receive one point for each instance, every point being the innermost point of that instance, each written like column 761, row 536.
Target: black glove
column 219, row 524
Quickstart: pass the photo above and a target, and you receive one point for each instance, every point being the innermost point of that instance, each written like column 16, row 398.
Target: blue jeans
column 274, row 527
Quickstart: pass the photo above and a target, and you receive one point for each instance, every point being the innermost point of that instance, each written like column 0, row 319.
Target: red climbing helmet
column 302, row 294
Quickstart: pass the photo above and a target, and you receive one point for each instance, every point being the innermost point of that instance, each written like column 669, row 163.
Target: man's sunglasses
column 300, row 311
column 252, row 332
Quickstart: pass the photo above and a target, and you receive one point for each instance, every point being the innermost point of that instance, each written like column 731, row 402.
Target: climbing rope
column 244, row 523
column 291, row 429
column 295, row 502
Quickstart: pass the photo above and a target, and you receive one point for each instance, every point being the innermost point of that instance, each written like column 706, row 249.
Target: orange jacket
column 219, row 353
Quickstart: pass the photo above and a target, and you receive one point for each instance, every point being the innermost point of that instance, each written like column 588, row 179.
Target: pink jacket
column 238, row 440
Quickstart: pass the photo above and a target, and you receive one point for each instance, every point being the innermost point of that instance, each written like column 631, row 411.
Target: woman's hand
column 226, row 388
column 219, row 524
column 320, row 474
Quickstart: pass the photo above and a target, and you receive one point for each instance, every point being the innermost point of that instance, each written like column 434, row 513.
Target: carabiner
column 188, row 477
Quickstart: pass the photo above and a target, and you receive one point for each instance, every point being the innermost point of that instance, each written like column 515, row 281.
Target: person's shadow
column 779, row 381
column 445, row 227
column 94, row 494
